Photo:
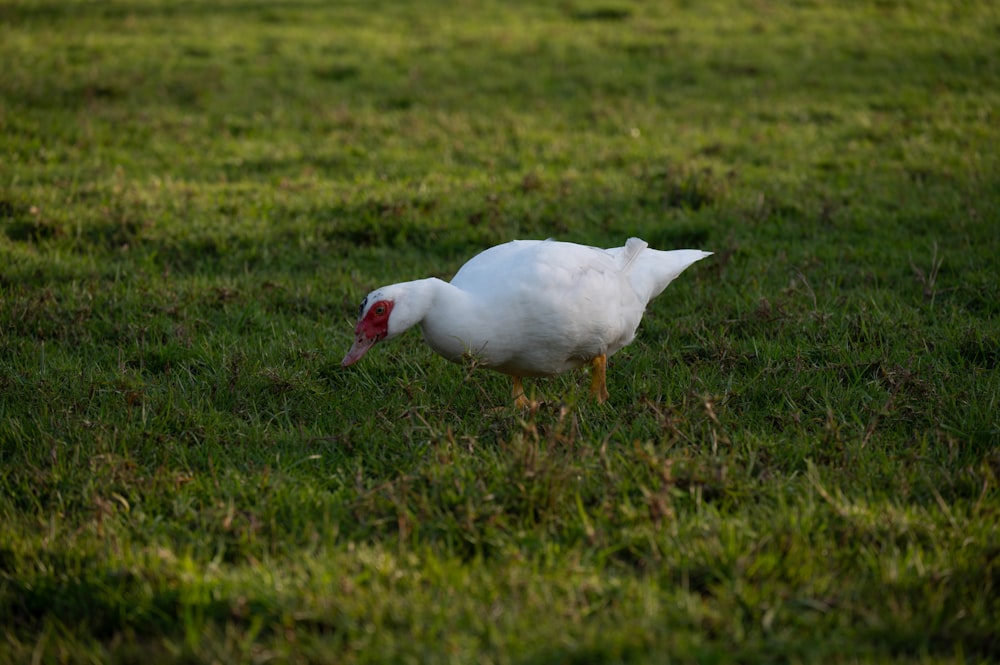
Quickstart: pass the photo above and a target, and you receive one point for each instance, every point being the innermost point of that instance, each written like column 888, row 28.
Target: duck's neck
column 418, row 302
column 450, row 319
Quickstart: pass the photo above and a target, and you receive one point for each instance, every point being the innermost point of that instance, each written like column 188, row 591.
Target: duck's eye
column 379, row 310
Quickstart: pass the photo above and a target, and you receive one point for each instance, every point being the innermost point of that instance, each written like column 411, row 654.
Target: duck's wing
column 542, row 266
column 489, row 270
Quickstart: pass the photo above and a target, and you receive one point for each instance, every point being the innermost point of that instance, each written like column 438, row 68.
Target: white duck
column 528, row 307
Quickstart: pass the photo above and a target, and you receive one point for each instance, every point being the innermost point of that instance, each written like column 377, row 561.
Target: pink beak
column 359, row 349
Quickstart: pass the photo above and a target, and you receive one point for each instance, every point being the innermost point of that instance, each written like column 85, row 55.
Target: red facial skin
column 372, row 328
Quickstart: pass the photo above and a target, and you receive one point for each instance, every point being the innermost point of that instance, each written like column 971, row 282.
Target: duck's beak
column 358, row 349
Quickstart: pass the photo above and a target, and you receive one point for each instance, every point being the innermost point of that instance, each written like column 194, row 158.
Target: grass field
column 799, row 461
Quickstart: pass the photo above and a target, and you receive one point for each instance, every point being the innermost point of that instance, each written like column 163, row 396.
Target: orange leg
column 520, row 401
column 598, row 385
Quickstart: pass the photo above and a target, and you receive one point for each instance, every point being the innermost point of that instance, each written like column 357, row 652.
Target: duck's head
column 373, row 325
column 389, row 311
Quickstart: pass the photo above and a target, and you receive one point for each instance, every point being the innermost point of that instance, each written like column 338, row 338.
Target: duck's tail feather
column 633, row 248
column 655, row 269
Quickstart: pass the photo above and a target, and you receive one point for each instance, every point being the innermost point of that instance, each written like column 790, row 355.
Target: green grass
column 799, row 460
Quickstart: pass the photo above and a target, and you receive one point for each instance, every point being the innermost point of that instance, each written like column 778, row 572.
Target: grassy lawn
column 799, row 461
